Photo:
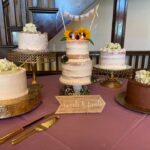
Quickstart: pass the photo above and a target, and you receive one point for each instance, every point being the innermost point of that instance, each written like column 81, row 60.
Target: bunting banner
column 90, row 13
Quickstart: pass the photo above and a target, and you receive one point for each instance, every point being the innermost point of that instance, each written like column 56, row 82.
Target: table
column 116, row 128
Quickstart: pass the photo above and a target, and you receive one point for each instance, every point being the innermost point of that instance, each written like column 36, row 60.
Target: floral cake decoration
column 112, row 47
column 80, row 34
column 6, row 65
column 143, row 77
column 30, row 28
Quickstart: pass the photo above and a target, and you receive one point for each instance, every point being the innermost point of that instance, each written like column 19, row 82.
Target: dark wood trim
column 15, row 28
column 12, row 14
column 8, row 46
column 119, row 21
column 5, row 3
column 43, row 10
column 2, row 25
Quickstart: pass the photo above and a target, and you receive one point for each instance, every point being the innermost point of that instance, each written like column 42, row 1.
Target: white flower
column 6, row 65
column 143, row 77
column 112, row 47
column 30, row 27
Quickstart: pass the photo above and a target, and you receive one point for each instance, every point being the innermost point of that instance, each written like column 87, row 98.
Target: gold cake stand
column 31, row 57
column 14, row 107
column 112, row 75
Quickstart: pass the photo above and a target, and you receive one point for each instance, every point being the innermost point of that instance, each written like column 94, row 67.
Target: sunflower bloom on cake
column 80, row 34
column 68, row 35
column 84, row 33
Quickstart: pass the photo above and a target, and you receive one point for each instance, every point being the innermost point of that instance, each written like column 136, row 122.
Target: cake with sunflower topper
column 76, row 65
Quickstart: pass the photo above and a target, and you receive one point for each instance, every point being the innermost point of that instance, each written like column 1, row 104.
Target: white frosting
column 13, row 84
column 113, row 59
column 33, row 41
column 77, row 47
column 75, row 81
column 82, row 69
column 77, row 71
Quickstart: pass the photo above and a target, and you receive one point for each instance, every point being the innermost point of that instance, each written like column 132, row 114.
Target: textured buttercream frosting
column 13, row 82
column 78, row 69
column 112, row 56
column 33, row 41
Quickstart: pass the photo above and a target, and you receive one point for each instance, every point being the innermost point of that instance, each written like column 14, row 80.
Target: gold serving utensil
column 37, row 128
column 16, row 132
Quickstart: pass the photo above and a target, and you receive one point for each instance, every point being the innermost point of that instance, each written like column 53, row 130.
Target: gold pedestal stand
column 18, row 106
column 112, row 75
column 31, row 57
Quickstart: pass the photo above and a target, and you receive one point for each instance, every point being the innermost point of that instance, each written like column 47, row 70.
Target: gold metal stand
column 112, row 76
column 14, row 107
column 31, row 57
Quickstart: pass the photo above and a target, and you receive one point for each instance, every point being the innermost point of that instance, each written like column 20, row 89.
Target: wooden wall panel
column 119, row 21
column 2, row 26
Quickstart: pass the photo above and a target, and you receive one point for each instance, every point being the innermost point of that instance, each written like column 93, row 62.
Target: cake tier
column 138, row 94
column 113, row 59
column 77, row 48
column 33, row 41
column 75, row 81
column 77, row 68
column 13, row 84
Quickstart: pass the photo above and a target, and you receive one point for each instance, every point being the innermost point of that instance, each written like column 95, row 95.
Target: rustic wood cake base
column 14, row 107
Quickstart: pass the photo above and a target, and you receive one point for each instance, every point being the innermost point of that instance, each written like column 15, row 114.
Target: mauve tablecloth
column 116, row 128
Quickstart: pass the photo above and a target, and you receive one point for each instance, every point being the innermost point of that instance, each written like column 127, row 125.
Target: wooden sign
column 80, row 104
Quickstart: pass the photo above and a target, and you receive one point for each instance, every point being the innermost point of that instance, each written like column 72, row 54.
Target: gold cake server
column 16, row 132
column 37, row 128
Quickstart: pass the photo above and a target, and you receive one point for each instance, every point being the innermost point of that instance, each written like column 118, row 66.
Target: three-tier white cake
column 78, row 69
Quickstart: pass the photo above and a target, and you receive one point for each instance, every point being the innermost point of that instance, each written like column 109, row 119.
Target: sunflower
column 68, row 34
column 84, row 33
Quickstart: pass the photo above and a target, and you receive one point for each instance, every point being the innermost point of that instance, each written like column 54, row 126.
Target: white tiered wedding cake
column 77, row 69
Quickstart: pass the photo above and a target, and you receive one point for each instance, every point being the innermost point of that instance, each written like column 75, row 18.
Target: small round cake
column 13, row 81
column 32, row 40
column 138, row 90
column 113, row 57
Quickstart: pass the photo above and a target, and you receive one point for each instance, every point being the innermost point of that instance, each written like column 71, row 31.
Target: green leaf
column 91, row 41
column 63, row 39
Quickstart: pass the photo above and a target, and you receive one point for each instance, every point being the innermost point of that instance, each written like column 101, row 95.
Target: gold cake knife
column 37, row 128
column 16, row 132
